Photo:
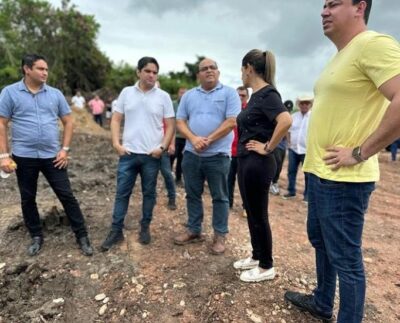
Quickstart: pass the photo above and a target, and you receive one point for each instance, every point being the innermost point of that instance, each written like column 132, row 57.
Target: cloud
column 175, row 31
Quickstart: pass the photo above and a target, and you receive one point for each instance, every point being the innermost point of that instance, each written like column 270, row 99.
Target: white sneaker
column 247, row 263
column 274, row 189
column 255, row 275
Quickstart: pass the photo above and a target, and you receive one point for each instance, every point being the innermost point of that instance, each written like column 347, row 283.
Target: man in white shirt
column 78, row 101
column 297, row 144
column 143, row 107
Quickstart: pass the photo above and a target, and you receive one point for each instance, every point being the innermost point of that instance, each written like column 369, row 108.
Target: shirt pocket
column 220, row 106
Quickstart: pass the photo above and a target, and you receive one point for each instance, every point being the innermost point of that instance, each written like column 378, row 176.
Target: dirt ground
column 163, row 282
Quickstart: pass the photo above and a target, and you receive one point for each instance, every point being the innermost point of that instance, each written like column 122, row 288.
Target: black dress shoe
column 35, row 246
column 306, row 303
column 171, row 204
column 144, row 235
column 84, row 245
column 113, row 238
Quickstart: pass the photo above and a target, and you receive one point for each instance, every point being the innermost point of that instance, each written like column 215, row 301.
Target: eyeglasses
column 206, row 68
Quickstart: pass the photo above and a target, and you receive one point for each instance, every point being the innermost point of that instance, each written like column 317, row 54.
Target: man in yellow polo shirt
column 356, row 113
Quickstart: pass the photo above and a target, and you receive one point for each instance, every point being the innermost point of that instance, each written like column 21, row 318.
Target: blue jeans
column 27, row 176
column 294, row 162
column 215, row 170
column 393, row 149
column 129, row 167
column 167, row 174
column 335, row 225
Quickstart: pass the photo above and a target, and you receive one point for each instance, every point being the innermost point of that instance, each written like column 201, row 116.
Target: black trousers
column 27, row 175
column 232, row 179
column 179, row 146
column 279, row 155
column 255, row 173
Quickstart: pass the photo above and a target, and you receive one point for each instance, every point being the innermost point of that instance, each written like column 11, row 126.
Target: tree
column 65, row 36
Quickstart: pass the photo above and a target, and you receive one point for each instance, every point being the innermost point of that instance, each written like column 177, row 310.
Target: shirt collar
column 217, row 87
column 22, row 87
column 136, row 86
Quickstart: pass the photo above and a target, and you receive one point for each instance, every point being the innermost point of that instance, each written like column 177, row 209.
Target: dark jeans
column 215, row 170
column 179, row 147
column 335, row 225
column 27, row 176
column 168, row 177
column 254, row 176
column 98, row 118
column 279, row 155
column 294, row 162
column 129, row 167
column 393, row 149
column 232, row 179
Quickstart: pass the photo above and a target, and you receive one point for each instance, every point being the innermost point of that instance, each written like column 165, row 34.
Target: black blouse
column 257, row 121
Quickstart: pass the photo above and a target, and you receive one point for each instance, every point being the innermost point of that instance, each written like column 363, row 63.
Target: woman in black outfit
column 260, row 127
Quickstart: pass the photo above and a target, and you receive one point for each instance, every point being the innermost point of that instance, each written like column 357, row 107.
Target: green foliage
column 120, row 75
column 66, row 37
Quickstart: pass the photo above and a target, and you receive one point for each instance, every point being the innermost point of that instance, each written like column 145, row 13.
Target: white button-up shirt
column 298, row 132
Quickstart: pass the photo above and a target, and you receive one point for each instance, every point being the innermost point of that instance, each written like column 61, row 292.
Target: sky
column 176, row 31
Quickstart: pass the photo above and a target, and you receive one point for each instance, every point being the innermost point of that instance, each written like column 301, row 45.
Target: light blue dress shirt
column 34, row 119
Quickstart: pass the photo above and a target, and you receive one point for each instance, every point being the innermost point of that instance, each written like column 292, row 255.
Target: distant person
column 109, row 111
column 36, row 147
column 180, row 142
column 280, row 154
column 96, row 105
column 244, row 97
column 206, row 117
column 350, row 123
column 297, row 144
column 144, row 107
column 393, row 149
column 261, row 126
column 78, row 101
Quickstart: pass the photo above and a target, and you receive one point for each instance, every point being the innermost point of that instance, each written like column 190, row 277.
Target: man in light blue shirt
column 206, row 117
column 34, row 109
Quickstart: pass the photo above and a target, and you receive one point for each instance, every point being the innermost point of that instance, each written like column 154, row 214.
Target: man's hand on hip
column 339, row 157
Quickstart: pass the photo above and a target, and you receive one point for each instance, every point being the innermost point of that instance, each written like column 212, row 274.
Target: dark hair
column 289, row 105
column 147, row 60
column 243, row 88
column 30, row 59
column 367, row 9
column 263, row 64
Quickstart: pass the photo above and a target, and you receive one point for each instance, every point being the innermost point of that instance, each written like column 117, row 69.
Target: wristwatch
column 162, row 148
column 356, row 154
column 67, row 149
column 266, row 149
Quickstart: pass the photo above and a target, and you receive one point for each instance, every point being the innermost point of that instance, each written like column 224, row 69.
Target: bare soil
column 163, row 282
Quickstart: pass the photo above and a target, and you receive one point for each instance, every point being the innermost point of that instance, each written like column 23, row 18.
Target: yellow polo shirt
column 348, row 106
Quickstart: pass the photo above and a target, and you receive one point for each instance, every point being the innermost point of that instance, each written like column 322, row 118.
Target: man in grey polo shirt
column 206, row 116
column 34, row 109
column 144, row 107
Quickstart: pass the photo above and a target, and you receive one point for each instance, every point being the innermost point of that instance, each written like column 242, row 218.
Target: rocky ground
column 163, row 282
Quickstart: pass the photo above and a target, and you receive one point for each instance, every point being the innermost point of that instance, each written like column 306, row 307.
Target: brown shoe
column 218, row 246
column 188, row 237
